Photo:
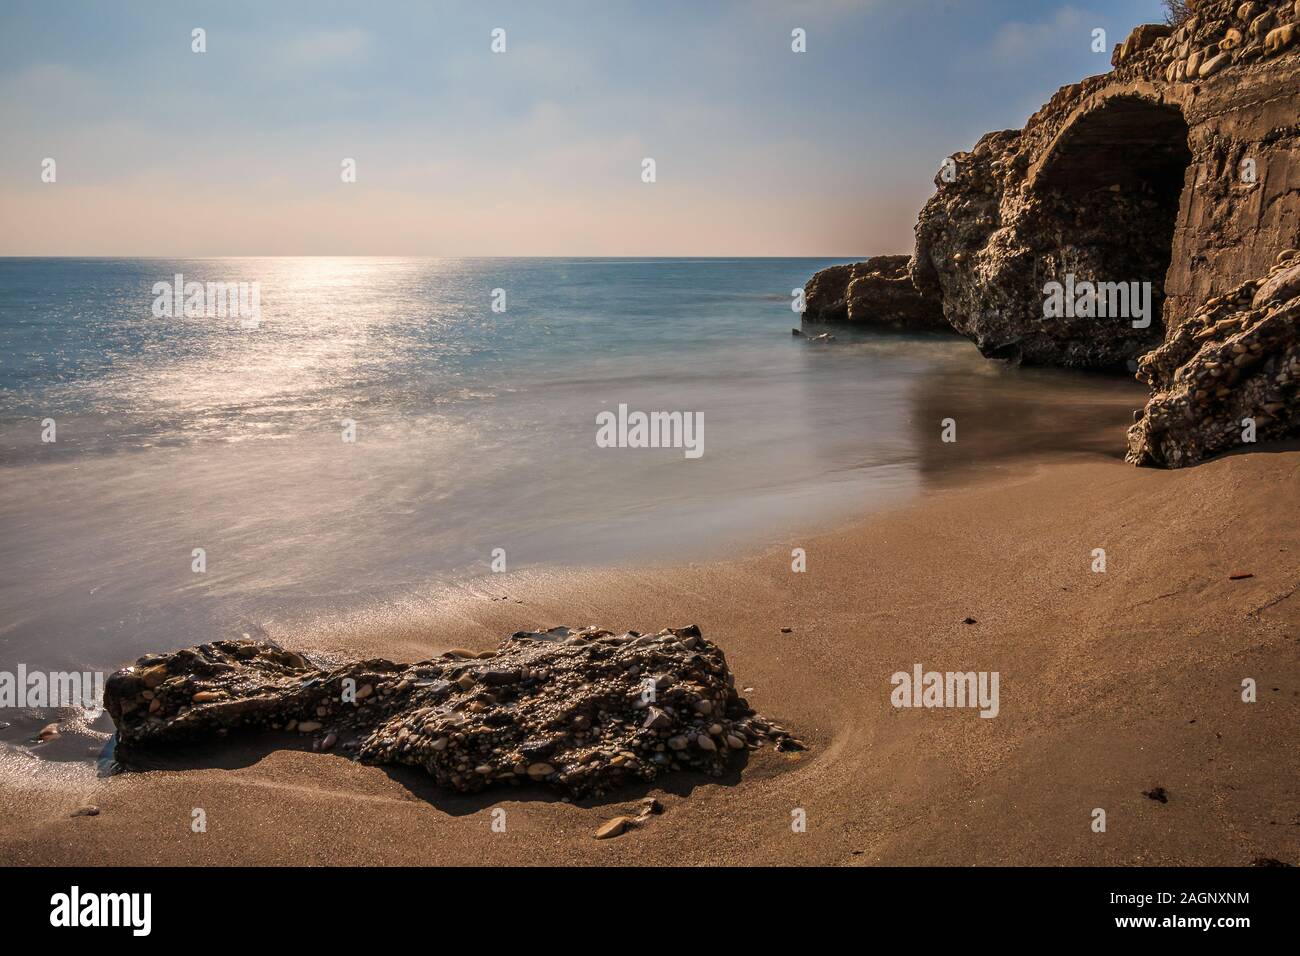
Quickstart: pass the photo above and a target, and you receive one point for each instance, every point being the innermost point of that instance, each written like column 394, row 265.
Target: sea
column 385, row 427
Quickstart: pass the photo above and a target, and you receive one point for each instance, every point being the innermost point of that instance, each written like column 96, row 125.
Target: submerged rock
column 1230, row 374
column 878, row 293
column 582, row 711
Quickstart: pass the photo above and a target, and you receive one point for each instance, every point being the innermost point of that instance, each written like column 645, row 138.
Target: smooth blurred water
column 475, row 431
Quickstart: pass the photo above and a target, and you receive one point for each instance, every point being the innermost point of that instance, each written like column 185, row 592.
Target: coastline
column 1111, row 684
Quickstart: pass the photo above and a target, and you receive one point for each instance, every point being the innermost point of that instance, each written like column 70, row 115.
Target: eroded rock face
column 991, row 250
column 582, row 711
column 1180, row 168
column 1230, row 369
column 877, row 293
column 1172, row 181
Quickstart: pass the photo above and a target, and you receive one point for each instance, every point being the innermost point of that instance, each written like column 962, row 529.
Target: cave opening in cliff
column 1110, row 189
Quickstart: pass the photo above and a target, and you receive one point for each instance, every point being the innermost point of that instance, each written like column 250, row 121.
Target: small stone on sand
column 612, row 828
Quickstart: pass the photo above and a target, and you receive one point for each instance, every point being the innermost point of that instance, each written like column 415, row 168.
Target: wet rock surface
column 878, row 293
column 1233, row 367
column 582, row 711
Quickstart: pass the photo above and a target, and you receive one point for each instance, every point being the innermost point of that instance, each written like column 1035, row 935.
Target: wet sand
column 1110, row 684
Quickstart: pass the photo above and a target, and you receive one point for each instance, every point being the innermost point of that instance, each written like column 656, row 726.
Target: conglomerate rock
column 877, row 293
column 582, row 711
column 1233, row 368
column 1170, row 182
column 1179, row 169
column 988, row 251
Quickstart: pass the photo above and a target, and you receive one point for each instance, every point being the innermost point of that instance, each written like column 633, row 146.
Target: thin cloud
column 327, row 48
column 1019, row 40
column 819, row 10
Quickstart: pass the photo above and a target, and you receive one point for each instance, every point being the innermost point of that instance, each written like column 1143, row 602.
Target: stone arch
column 1109, row 186
column 1125, row 139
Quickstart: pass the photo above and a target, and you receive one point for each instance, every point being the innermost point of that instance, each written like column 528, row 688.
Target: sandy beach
column 437, row 449
column 1112, row 684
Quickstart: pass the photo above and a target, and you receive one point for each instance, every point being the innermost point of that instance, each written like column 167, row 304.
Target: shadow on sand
column 238, row 753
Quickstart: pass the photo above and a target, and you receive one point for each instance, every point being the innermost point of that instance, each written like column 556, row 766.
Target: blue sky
column 536, row 151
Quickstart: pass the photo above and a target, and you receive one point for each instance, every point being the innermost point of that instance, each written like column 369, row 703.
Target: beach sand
column 1111, row 684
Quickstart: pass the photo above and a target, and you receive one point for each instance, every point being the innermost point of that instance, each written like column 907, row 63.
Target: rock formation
column 1151, row 195
column 582, row 711
column 1227, row 375
column 878, row 293
column 988, row 249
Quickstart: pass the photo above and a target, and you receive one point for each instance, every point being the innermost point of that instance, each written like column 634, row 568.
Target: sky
column 538, row 150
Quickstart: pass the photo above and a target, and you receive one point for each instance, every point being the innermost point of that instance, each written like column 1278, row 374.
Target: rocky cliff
column 1227, row 376
column 1157, row 195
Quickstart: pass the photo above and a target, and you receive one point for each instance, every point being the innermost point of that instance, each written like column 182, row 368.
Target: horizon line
column 406, row 256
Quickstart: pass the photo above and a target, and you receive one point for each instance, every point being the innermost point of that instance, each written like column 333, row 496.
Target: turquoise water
column 475, row 430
